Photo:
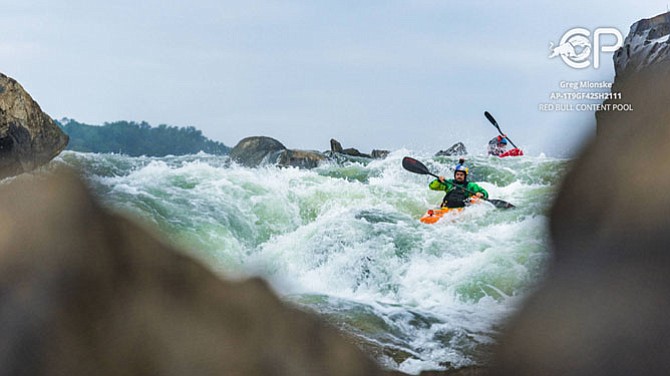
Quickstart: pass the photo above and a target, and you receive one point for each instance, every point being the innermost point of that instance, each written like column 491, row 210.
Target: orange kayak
column 434, row 215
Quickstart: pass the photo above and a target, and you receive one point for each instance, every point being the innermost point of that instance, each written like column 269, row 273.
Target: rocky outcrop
column 29, row 138
column 336, row 147
column 602, row 309
column 259, row 150
column 353, row 152
column 254, row 151
column 455, row 150
column 380, row 154
column 300, row 158
column 87, row 292
column 647, row 43
column 645, row 55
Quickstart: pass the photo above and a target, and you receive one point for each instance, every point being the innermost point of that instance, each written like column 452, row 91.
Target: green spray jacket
column 452, row 188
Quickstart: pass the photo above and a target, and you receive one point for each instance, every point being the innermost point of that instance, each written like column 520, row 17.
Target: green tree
column 136, row 139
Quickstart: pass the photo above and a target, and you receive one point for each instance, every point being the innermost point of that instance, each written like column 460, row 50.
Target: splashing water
column 344, row 241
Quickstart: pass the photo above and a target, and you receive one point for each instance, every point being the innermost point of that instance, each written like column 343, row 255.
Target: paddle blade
column 500, row 204
column 412, row 165
column 491, row 119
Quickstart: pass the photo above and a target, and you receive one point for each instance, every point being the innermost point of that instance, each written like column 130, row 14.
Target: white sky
column 372, row 74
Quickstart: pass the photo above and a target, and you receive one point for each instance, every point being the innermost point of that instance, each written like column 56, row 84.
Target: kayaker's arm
column 439, row 184
column 475, row 188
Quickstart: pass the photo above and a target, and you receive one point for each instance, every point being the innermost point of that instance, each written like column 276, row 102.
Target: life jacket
column 456, row 196
column 495, row 147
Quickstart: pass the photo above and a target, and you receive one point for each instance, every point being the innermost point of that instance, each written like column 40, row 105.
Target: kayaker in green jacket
column 457, row 188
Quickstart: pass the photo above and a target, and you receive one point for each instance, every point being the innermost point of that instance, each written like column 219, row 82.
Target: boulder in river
column 259, row 150
column 300, row 158
column 254, row 151
column 336, row 147
column 455, row 150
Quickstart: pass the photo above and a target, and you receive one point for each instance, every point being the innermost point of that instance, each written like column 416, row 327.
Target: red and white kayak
column 516, row 152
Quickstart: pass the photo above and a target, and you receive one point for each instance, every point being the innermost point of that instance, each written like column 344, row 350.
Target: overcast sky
column 372, row 74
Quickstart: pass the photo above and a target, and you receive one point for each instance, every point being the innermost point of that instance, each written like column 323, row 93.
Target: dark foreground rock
column 465, row 371
column 86, row 292
column 603, row 309
column 455, row 150
column 29, row 138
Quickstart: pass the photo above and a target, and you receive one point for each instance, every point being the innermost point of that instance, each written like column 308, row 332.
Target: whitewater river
column 344, row 241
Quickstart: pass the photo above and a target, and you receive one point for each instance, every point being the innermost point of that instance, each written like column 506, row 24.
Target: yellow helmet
column 461, row 168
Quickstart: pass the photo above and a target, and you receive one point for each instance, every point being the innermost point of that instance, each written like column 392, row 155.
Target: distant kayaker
column 457, row 188
column 498, row 145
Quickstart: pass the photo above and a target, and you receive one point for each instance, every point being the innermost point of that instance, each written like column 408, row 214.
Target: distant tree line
column 136, row 139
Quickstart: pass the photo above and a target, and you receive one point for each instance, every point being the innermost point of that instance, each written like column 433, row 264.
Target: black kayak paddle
column 412, row 165
column 495, row 124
